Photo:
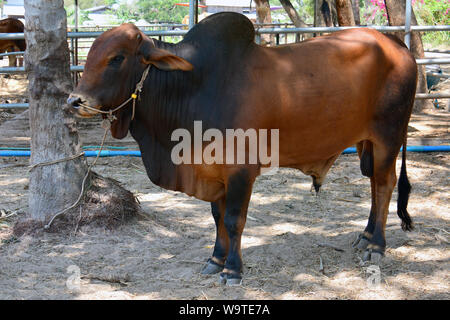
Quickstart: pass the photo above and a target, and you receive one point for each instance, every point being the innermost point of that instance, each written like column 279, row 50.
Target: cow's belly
column 203, row 182
column 316, row 140
column 315, row 126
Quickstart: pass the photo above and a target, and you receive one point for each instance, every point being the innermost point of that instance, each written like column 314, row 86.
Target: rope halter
column 134, row 96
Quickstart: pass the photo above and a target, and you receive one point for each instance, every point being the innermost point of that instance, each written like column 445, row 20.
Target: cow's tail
column 404, row 188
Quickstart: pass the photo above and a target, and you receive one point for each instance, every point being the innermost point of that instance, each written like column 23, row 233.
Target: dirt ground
column 295, row 246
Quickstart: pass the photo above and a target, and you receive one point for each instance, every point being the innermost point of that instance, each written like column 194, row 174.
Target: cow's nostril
column 74, row 102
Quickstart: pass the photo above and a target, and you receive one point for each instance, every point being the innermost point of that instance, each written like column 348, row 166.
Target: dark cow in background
column 324, row 94
column 11, row 25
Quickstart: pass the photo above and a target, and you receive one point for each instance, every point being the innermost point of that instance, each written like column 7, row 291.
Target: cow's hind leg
column 365, row 153
column 383, row 183
column 216, row 263
column 12, row 58
column 239, row 188
column 388, row 134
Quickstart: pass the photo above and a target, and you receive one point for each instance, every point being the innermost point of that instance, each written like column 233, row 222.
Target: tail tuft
column 404, row 189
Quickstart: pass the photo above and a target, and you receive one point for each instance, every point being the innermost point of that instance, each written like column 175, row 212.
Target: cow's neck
column 171, row 100
column 165, row 104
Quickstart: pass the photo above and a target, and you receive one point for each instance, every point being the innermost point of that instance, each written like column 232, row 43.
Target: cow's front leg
column 239, row 189
column 216, row 262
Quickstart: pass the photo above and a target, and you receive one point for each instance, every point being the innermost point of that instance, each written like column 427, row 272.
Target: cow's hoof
column 372, row 256
column 211, row 267
column 231, row 280
column 361, row 242
column 376, row 257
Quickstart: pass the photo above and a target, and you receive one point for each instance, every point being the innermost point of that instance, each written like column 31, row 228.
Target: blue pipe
column 84, row 147
column 111, row 153
column 136, row 153
column 90, row 153
column 411, row 149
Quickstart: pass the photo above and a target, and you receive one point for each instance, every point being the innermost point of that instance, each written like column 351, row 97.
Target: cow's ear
column 160, row 58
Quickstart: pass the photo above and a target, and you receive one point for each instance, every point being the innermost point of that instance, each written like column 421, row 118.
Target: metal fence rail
column 258, row 30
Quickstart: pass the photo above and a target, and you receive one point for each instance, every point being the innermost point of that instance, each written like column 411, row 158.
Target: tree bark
column 293, row 14
column 396, row 16
column 332, row 4
column 53, row 129
column 356, row 14
column 326, row 13
column 319, row 20
column 264, row 16
column 295, row 18
column 345, row 13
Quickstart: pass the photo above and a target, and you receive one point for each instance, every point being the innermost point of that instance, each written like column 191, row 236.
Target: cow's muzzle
column 81, row 106
column 74, row 101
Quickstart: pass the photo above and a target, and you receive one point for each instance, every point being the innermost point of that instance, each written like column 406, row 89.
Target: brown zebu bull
column 325, row 94
column 11, row 25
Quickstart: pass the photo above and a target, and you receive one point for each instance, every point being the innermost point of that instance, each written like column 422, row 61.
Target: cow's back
column 11, row 25
column 326, row 89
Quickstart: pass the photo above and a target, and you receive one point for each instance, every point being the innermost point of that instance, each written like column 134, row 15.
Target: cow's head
column 114, row 65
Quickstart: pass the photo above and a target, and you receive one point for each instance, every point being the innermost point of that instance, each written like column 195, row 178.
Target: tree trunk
column 345, row 13
column 53, row 130
column 264, row 16
column 333, row 9
column 396, row 16
column 293, row 14
column 326, row 13
column 319, row 20
column 355, row 7
column 295, row 18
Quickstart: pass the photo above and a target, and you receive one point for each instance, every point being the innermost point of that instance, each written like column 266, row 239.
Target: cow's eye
column 117, row 59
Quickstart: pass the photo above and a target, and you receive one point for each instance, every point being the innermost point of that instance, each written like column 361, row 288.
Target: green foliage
column 161, row 10
column 433, row 12
column 150, row 10
column 82, row 16
column 85, row 4
column 124, row 12
column 305, row 9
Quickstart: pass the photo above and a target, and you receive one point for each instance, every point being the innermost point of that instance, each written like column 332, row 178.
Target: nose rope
column 133, row 97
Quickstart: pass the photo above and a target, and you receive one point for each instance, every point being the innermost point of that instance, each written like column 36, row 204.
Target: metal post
column 191, row 13
column 196, row 12
column 408, row 24
column 75, row 44
column 315, row 15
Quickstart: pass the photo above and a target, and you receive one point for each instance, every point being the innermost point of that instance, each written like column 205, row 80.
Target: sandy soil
column 288, row 235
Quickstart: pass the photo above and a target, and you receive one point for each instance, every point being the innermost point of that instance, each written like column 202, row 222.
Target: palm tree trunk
column 53, row 130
